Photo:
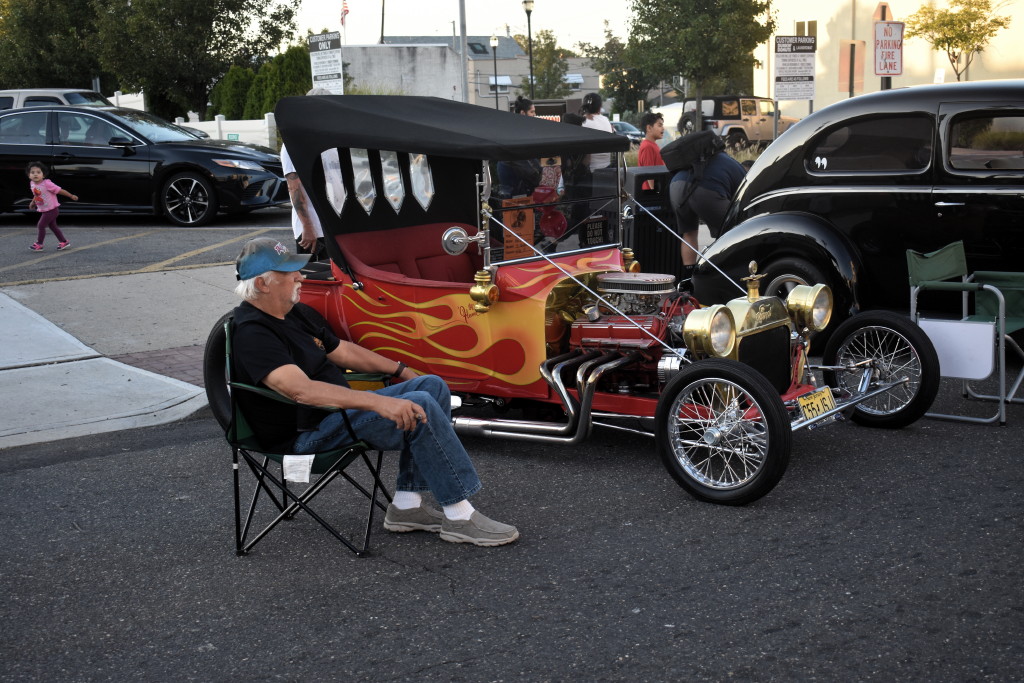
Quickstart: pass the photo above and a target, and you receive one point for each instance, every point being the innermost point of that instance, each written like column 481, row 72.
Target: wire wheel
column 723, row 432
column 886, row 347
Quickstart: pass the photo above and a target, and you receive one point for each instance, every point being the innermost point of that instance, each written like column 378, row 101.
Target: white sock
column 461, row 510
column 407, row 500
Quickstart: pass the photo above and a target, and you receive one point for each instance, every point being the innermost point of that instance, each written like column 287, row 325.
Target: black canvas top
column 432, row 126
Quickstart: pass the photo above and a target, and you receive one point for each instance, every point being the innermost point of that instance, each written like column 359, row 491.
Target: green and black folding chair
column 327, row 465
column 973, row 347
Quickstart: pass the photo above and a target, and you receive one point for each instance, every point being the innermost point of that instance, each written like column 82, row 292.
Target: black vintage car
column 119, row 159
column 841, row 196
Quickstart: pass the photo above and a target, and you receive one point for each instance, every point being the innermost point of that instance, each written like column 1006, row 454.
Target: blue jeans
column 432, row 457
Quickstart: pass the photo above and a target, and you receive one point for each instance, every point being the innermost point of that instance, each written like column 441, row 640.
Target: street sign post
column 325, row 60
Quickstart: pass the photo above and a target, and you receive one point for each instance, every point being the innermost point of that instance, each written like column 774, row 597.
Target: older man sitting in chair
column 288, row 347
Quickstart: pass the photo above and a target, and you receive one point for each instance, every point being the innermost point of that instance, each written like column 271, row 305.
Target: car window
column 983, row 141
column 41, row 101
column 151, row 127
column 749, row 107
column 767, row 107
column 880, row 144
column 6, row 102
column 730, row 108
column 83, row 130
column 87, row 98
column 24, row 129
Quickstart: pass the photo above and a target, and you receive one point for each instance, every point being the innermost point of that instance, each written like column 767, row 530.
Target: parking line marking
column 89, row 276
column 162, row 265
column 34, row 261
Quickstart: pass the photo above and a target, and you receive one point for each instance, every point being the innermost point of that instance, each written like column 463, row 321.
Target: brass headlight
column 484, row 292
column 810, row 307
column 711, row 331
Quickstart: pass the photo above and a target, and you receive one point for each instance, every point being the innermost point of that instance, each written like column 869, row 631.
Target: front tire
column 895, row 347
column 188, row 199
column 722, row 432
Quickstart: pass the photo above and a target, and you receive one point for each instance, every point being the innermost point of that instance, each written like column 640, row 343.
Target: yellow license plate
column 816, row 403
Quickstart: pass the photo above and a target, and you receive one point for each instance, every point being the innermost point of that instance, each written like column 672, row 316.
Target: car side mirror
column 124, row 143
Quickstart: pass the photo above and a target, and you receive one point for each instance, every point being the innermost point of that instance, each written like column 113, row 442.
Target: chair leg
column 238, row 512
column 298, row 502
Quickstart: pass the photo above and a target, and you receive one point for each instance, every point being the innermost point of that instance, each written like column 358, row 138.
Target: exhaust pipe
column 579, row 425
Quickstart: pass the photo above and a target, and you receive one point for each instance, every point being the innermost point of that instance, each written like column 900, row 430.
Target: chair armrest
column 943, row 286
column 1001, row 279
column 271, row 394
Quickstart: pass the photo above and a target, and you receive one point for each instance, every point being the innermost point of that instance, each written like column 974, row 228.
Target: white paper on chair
column 298, row 467
column 965, row 348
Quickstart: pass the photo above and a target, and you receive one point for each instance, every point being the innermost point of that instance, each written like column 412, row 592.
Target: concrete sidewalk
column 57, row 379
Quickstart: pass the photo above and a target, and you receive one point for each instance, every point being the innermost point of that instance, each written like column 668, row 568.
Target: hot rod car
column 538, row 318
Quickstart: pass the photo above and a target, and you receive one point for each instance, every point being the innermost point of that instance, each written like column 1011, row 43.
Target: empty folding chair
column 974, row 346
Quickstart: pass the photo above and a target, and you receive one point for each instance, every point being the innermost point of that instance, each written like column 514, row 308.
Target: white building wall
column 432, row 70
column 854, row 20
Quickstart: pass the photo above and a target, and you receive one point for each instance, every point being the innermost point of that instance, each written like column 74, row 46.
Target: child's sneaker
column 36, row 246
column 61, row 246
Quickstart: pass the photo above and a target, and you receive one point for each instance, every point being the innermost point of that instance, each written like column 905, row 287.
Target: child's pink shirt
column 44, row 195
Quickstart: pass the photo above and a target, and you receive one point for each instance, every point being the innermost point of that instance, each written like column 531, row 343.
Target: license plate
column 816, row 403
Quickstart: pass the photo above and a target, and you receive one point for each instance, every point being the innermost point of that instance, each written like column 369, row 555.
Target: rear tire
column 736, row 141
column 897, row 348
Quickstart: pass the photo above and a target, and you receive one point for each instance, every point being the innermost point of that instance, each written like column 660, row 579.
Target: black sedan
column 125, row 160
column 634, row 134
column 841, row 196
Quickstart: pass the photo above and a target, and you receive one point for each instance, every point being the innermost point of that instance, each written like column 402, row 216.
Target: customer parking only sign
column 794, row 67
column 325, row 59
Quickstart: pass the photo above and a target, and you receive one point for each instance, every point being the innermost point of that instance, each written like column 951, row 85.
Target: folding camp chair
column 328, row 465
column 973, row 346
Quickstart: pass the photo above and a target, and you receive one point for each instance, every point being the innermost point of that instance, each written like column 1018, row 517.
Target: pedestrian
column 703, row 192
column 649, row 154
column 525, row 106
column 286, row 346
column 309, row 234
column 593, row 118
column 44, row 200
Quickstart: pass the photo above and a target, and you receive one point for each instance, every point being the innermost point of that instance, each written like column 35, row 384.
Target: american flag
column 344, row 11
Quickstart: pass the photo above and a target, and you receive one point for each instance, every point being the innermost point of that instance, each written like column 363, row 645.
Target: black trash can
column 655, row 248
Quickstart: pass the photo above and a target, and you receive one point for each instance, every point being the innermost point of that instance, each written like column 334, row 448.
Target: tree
column 287, row 74
column 549, row 66
column 176, row 50
column 43, row 45
column 960, row 33
column 700, row 40
column 622, row 81
column 229, row 95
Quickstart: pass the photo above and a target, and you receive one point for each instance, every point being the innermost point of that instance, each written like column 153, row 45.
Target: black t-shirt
column 262, row 343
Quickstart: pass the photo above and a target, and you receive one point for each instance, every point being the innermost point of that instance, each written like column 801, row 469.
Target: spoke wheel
column 188, row 199
column 215, row 377
column 895, row 348
column 723, row 433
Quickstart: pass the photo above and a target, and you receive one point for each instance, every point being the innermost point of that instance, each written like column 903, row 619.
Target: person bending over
column 703, row 193
column 288, row 347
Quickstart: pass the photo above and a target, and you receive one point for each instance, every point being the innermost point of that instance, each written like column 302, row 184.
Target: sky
column 571, row 22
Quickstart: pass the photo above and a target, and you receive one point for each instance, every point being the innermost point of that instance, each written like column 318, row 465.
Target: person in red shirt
column 653, row 126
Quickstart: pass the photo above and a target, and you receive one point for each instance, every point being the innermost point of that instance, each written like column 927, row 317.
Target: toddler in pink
column 44, row 199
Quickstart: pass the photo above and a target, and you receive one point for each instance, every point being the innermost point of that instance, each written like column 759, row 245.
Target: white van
column 41, row 97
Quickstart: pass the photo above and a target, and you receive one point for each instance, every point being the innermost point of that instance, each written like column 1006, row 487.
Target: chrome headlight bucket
column 710, row 331
column 810, row 306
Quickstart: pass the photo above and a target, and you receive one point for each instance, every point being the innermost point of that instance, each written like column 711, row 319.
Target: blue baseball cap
column 263, row 254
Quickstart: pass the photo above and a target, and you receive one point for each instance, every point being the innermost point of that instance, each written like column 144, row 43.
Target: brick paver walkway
column 184, row 363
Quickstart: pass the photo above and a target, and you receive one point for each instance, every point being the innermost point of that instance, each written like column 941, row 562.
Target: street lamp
column 494, row 53
column 528, row 6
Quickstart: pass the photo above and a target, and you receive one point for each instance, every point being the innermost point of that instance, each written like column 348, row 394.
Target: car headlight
column 711, row 331
column 810, row 306
column 239, row 163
